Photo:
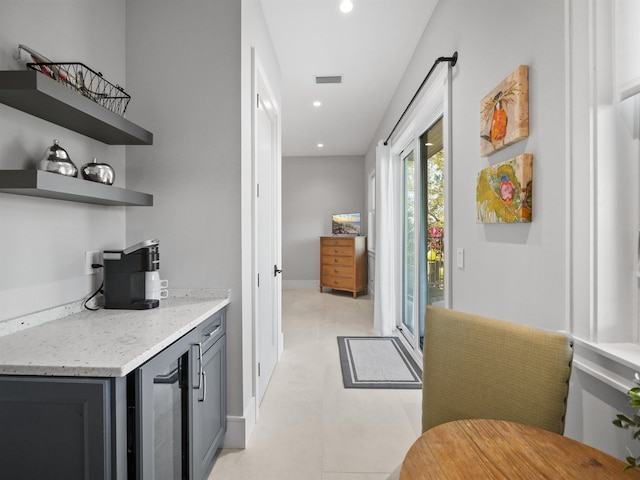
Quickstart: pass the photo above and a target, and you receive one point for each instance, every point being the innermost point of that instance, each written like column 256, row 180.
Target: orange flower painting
column 504, row 113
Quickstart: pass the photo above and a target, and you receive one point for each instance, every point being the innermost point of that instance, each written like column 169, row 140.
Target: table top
column 494, row 449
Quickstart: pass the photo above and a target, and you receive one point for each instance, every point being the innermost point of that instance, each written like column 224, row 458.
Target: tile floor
column 311, row 427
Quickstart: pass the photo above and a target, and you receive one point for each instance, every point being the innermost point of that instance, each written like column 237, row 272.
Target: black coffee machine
column 125, row 275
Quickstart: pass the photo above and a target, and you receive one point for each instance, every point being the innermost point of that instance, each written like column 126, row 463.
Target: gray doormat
column 377, row 362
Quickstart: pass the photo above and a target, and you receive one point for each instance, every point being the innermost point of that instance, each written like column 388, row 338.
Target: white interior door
column 267, row 220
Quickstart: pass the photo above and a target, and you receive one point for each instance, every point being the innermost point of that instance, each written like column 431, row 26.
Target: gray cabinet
column 72, row 428
column 58, row 428
column 208, row 403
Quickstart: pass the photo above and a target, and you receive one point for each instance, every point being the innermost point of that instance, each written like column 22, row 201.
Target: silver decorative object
column 98, row 172
column 56, row 160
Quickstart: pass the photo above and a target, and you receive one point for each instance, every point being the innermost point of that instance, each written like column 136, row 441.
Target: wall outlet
column 90, row 258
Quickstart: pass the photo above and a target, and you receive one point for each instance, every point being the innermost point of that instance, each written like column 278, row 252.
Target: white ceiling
column 370, row 47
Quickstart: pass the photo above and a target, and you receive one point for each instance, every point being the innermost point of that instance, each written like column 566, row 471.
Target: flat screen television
column 345, row 224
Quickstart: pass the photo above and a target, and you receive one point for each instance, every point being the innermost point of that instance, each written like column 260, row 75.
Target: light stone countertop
column 105, row 343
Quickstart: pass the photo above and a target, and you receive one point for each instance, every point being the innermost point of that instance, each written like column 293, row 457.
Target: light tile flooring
column 311, row 427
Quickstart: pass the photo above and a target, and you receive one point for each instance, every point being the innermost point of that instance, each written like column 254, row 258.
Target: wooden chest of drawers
column 343, row 264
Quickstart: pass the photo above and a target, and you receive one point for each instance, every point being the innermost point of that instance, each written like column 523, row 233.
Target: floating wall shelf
column 38, row 183
column 36, row 94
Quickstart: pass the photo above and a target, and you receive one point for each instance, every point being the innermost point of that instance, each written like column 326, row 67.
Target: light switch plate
column 460, row 258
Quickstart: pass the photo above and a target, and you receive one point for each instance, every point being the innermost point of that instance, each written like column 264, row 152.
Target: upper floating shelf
column 34, row 93
column 37, row 183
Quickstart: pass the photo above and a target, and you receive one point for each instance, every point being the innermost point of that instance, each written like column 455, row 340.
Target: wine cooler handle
column 200, row 372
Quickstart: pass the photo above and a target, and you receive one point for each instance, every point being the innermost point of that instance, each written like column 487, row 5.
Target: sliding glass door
column 408, row 243
column 432, row 232
column 423, row 230
column 422, row 193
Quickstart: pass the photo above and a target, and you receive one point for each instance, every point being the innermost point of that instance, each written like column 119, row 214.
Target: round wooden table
column 494, row 449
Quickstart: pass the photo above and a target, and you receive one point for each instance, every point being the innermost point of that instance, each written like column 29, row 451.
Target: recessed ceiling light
column 320, row 145
column 346, row 6
column 317, row 103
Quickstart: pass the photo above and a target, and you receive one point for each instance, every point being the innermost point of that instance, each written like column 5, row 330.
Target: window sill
column 612, row 363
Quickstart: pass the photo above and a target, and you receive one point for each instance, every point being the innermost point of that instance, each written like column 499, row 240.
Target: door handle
column 276, row 270
column 204, row 388
column 169, row 378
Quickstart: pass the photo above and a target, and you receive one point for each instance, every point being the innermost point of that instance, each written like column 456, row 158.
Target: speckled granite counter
column 105, row 343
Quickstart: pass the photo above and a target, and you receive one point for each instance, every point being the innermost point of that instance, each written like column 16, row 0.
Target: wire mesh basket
column 89, row 83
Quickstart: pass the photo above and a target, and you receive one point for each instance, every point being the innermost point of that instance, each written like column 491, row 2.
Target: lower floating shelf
column 38, row 183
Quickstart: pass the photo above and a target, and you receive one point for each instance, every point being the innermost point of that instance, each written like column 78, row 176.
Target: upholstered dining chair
column 478, row 367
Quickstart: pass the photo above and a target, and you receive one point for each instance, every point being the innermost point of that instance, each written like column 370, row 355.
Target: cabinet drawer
column 339, row 270
column 332, row 281
column 212, row 329
column 337, row 250
column 337, row 261
column 348, row 242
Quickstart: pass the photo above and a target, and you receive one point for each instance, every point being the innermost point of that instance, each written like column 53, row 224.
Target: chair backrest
column 477, row 367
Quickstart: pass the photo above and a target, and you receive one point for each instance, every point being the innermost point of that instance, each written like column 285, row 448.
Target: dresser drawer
column 342, row 241
column 340, row 270
column 332, row 281
column 337, row 250
column 337, row 261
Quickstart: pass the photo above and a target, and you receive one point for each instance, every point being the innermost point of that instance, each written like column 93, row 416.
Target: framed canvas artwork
column 504, row 191
column 504, row 113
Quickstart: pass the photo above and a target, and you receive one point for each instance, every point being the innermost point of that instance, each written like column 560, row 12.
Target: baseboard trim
column 300, row 284
column 240, row 428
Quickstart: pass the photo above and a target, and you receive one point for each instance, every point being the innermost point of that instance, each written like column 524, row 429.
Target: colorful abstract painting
column 504, row 113
column 504, row 191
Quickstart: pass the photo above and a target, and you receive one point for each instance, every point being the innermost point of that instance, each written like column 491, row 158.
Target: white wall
column 511, row 271
column 603, row 153
column 313, row 188
column 542, row 274
column 43, row 241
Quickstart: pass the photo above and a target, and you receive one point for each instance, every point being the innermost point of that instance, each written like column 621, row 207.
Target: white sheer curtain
column 386, row 282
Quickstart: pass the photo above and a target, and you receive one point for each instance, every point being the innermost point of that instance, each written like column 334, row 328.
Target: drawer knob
column 335, row 260
column 335, row 250
column 335, row 270
column 335, row 282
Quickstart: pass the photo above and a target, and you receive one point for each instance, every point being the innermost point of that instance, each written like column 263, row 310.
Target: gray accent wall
column 313, row 188
column 43, row 241
column 188, row 69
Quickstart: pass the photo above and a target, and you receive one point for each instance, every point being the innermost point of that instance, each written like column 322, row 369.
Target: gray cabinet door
column 209, row 410
column 55, row 428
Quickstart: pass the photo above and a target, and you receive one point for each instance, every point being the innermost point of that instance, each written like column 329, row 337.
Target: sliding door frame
column 435, row 102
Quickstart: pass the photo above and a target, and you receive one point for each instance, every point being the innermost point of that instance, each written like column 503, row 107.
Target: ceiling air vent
column 321, row 79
